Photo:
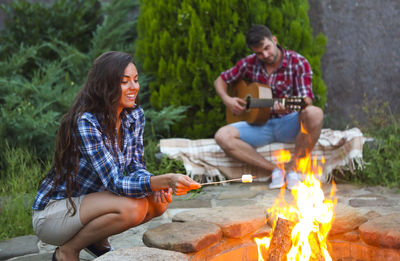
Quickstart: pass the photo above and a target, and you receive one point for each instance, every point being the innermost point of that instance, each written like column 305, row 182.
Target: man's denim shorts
column 284, row 129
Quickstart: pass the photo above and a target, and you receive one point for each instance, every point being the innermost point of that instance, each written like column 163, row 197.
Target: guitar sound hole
column 248, row 100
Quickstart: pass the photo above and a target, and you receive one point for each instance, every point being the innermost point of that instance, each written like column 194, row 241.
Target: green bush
column 32, row 105
column 37, row 88
column 192, row 42
column 42, row 65
column 70, row 21
column 161, row 165
column 382, row 158
column 158, row 123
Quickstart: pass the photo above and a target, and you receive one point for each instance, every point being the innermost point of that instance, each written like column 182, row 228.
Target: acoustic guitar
column 258, row 99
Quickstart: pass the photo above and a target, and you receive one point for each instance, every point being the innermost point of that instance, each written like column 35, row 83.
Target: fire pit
column 228, row 233
column 295, row 231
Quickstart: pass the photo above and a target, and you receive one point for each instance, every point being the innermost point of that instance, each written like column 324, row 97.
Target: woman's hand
column 163, row 196
column 181, row 184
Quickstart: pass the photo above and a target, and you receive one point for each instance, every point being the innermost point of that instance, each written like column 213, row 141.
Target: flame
column 302, row 129
column 262, row 246
column 310, row 211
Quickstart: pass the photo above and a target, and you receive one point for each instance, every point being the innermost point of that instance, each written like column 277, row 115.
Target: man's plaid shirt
column 292, row 78
column 99, row 169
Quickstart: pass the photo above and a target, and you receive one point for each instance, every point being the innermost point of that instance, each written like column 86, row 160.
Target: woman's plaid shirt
column 99, row 169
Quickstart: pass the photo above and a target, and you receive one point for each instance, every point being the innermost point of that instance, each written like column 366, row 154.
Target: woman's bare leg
column 104, row 214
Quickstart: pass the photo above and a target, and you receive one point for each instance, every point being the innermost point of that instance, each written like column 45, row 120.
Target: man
column 288, row 74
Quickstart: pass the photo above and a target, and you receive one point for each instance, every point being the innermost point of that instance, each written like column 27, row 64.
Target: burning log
column 281, row 240
column 316, row 253
column 301, row 234
column 281, row 243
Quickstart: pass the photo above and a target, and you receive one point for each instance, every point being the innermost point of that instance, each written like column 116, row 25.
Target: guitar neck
column 262, row 103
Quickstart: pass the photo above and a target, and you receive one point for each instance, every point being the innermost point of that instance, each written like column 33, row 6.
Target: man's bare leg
column 228, row 138
column 311, row 119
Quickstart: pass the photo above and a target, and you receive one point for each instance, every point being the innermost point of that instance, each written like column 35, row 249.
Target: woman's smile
column 129, row 87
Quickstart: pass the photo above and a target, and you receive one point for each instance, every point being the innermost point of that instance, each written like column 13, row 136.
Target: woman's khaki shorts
column 54, row 224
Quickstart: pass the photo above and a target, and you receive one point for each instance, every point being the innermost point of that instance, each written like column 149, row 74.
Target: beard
column 271, row 60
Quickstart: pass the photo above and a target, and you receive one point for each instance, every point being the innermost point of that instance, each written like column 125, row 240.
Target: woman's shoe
column 95, row 252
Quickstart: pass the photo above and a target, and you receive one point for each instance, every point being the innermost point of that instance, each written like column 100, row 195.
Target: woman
column 98, row 185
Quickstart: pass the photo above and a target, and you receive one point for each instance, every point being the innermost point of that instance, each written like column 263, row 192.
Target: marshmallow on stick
column 246, row 178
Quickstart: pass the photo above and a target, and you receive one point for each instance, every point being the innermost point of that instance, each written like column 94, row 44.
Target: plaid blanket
column 205, row 160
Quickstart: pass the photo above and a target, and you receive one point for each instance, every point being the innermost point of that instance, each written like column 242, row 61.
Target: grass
column 20, row 175
column 381, row 156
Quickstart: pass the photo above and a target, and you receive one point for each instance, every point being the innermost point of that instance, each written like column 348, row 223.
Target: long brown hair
column 100, row 94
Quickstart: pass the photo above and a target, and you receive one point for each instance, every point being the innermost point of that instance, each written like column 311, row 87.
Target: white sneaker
column 292, row 180
column 278, row 179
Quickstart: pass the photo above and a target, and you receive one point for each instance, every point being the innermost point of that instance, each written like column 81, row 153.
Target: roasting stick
column 245, row 179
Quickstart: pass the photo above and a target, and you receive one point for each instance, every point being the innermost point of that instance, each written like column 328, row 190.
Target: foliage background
column 191, row 42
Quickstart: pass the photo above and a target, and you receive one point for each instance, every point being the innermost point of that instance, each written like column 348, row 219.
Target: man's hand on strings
column 279, row 108
column 236, row 105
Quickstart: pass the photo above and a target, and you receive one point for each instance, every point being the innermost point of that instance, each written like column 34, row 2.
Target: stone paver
column 200, row 203
column 33, row 257
column 359, row 251
column 235, row 222
column 373, row 202
column 346, row 219
column 358, row 207
column 141, row 254
column 183, row 237
column 18, row 246
column 382, row 231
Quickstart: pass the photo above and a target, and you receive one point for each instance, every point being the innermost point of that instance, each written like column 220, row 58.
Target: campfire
column 299, row 228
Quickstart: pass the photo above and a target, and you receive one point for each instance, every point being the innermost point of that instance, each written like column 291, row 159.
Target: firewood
column 316, row 252
column 281, row 241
